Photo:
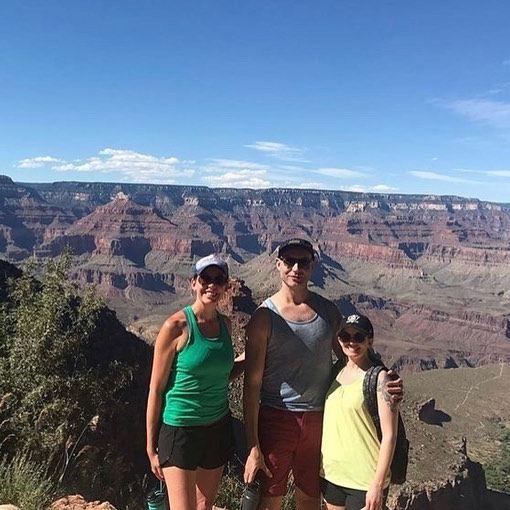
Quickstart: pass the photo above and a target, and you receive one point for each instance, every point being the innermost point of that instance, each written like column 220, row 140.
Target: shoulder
column 175, row 325
column 331, row 309
column 382, row 377
column 261, row 314
column 259, row 323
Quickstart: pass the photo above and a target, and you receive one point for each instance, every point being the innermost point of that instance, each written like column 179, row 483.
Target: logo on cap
column 353, row 319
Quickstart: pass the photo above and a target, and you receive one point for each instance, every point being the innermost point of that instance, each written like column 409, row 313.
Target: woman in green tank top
column 189, row 433
column 355, row 465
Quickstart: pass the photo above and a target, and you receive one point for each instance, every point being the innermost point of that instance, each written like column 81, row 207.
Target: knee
column 204, row 503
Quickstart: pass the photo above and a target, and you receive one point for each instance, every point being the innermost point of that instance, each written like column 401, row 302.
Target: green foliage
column 497, row 472
column 54, row 378
column 25, row 483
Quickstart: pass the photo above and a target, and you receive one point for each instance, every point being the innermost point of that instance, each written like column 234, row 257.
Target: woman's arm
column 388, row 414
column 173, row 329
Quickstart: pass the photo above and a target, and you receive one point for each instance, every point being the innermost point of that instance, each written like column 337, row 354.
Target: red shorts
column 290, row 440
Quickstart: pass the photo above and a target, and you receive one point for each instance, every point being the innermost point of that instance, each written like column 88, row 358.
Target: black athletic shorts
column 204, row 446
column 352, row 499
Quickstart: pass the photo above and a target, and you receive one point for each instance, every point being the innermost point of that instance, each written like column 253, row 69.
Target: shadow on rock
column 428, row 413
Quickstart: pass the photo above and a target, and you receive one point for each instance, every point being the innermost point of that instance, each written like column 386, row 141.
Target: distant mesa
column 432, row 271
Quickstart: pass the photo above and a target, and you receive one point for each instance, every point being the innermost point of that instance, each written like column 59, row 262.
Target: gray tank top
column 298, row 359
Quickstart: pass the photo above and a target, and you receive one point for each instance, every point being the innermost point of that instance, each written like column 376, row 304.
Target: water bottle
column 251, row 496
column 157, row 498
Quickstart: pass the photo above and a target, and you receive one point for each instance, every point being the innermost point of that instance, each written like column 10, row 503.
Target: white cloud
column 218, row 165
column 239, row 179
column 499, row 173
column 486, row 111
column 358, row 188
column 311, row 185
column 234, row 173
column 434, row 176
column 131, row 165
column 279, row 150
column 340, row 173
column 383, row 188
column 37, row 162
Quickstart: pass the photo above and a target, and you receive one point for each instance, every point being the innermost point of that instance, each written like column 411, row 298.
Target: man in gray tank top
column 289, row 346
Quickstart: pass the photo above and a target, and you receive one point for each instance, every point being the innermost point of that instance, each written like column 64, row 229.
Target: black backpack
column 400, row 460
column 401, row 456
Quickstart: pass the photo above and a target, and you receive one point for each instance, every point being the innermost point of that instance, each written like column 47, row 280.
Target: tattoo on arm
column 383, row 390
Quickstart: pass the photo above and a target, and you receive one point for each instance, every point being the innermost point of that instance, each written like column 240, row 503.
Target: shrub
column 25, row 483
column 71, row 389
column 497, row 472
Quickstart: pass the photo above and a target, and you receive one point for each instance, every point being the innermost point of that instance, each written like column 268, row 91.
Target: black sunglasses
column 206, row 279
column 356, row 337
column 305, row 262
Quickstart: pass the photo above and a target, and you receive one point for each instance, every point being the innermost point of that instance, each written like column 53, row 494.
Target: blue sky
column 389, row 96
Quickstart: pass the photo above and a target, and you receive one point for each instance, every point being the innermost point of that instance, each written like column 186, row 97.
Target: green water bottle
column 157, row 498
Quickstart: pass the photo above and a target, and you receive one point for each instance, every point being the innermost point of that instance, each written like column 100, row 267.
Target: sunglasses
column 305, row 263
column 206, row 279
column 356, row 337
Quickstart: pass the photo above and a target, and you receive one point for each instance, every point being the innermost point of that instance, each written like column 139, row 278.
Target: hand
column 155, row 467
column 254, row 462
column 374, row 498
column 395, row 387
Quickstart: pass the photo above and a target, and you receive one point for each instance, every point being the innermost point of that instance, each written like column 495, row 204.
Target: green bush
column 25, row 483
column 497, row 473
column 70, row 384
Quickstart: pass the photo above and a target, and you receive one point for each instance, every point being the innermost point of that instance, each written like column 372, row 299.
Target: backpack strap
column 370, row 395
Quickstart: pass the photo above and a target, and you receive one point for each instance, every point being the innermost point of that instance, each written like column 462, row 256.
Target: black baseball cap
column 361, row 323
column 296, row 243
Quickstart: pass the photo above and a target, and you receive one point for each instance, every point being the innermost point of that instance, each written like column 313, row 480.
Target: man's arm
column 257, row 333
column 336, row 319
column 394, row 386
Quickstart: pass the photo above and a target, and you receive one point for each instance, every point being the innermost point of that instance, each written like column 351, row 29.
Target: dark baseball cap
column 296, row 243
column 210, row 260
column 361, row 323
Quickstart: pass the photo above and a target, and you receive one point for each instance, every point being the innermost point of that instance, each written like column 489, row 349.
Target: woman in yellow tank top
column 355, row 467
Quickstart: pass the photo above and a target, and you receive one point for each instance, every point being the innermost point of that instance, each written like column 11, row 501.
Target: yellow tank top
column 350, row 446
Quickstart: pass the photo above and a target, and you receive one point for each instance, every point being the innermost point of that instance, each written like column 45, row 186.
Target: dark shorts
column 352, row 499
column 204, row 446
column 290, row 441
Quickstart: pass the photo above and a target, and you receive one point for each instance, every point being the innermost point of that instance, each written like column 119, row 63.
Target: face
column 210, row 285
column 354, row 344
column 295, row 266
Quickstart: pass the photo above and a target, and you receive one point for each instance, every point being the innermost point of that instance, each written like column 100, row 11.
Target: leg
column 306, row 463
column 207, row 483
column 334, row 507
column 306, row 502
column 181, row 488
column 278, row 435
column 334, row 496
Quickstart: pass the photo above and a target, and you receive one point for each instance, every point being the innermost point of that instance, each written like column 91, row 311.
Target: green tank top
column 198, row 383
column 350, row 445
